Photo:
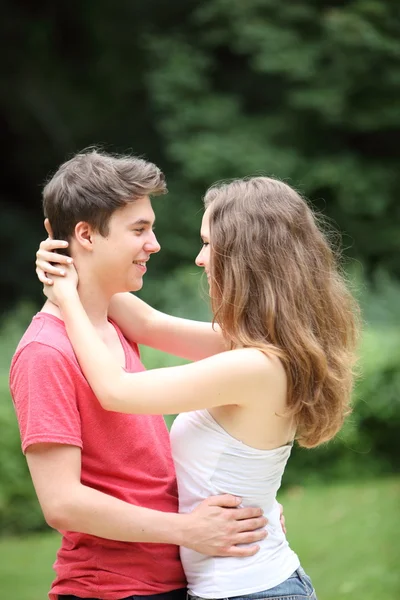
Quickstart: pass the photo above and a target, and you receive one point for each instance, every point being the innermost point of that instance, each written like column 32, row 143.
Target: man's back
column 125, row 456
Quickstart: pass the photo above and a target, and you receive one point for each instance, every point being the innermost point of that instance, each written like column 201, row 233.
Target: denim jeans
column 297, row 587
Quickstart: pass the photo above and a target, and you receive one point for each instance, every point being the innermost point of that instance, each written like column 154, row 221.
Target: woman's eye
column 205, row 244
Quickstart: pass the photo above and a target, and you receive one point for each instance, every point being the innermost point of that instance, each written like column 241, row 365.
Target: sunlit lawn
column 346, row 535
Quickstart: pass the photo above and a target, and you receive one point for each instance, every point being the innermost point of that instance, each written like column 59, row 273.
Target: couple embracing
column 274, row 367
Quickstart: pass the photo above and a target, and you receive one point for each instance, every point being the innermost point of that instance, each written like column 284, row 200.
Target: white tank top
column 209, row 461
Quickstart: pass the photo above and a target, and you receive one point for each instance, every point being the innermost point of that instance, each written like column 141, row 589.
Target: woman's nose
column 199, row 259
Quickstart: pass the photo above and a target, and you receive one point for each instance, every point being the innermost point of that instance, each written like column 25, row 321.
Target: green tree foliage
column 304, row 91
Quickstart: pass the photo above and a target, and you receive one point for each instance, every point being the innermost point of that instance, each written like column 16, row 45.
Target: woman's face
column 203, row 257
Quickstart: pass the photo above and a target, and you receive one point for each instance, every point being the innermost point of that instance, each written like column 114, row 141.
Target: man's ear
column 83, row 235
column 48, row 228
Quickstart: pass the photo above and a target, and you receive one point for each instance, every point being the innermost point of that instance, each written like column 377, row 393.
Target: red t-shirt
column 125, row 456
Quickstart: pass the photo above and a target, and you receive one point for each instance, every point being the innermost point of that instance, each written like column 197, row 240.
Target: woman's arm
column 140, row 323
column 226, row 378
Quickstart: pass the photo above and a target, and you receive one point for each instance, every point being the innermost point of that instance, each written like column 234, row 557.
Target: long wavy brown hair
column 276, row 284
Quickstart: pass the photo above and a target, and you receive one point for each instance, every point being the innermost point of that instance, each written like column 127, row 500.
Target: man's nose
column 152, row 244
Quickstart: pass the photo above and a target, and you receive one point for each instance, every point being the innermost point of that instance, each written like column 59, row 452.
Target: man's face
column 119, row 259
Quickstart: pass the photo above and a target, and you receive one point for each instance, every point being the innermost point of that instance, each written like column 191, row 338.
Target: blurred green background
column 305, row 91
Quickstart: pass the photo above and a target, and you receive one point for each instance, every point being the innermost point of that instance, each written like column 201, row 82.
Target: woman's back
column 208, row 461
column 259, row 417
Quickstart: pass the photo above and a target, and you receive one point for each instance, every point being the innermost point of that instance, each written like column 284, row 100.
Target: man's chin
column 135, row 286
column 132, row 286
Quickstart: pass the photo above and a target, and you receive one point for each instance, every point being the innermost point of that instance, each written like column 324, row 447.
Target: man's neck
column 94, row 300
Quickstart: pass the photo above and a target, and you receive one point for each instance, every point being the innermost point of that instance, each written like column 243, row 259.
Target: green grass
column 25, row 566
column 347, row 537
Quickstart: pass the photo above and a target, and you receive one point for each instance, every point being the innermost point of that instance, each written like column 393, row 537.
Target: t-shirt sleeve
column 45, row 397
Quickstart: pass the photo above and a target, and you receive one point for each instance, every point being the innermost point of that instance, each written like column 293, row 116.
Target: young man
column 106, row 480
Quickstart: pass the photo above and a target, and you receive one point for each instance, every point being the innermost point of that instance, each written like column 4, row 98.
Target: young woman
column 283, row 372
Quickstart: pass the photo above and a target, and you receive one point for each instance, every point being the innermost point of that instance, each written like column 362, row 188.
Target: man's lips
column 140, row 262
column 141, row 265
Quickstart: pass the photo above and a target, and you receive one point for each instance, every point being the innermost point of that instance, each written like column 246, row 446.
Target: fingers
column 248, row 537
column 282, row 519
column 49, row 263
column 283, row 525
column 43, row 277
column 242, row 551
column 251, row 524
column 249, row 512
column 50, row 244
column 225, row 501
column 53, row 257
column 50, row 269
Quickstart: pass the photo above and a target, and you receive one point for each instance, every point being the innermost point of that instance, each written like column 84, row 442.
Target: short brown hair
column 276, row 284
column 92, row 185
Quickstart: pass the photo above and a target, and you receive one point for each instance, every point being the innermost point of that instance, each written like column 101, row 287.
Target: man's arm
column 140, row 323
column 67, row 504
column 43, row 384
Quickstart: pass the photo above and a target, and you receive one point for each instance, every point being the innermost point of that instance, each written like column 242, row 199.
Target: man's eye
column 139, row 230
